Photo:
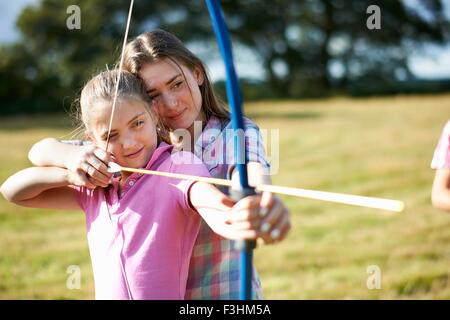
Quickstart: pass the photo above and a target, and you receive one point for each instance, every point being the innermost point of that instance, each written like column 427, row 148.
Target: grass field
column 377, row 147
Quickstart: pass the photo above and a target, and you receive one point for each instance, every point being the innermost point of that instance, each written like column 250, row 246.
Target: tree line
column 307, row 48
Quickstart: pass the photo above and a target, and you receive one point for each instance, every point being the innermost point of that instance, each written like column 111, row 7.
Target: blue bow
column 237, row 119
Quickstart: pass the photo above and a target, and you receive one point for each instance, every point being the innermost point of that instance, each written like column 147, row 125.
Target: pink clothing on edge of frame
column 441, row 156
column 153, row 230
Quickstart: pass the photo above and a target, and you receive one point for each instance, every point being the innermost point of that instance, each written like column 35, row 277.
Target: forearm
column 206, row 196
column 440, row 193
column 215, row 208
column 441, row 199
column 29, row 183
column 51, row 152
column 212, row 206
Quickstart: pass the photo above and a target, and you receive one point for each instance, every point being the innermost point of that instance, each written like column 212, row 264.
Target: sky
column 9, row 10
column 433, row 64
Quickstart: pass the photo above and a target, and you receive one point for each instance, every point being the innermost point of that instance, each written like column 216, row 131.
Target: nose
column 128, row 142
column 169, row 100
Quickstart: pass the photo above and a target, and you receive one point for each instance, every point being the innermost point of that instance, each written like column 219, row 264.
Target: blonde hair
column 156, row 45
column 102, row 87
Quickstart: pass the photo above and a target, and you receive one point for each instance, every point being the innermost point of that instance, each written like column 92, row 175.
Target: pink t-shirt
column 143, row 252
column 441, row 156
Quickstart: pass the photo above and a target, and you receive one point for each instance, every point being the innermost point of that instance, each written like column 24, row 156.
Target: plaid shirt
column 441, row 157
column 214, row 271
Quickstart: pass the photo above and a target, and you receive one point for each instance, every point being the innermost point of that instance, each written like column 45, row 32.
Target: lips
column 134, row 154
column 177, row 116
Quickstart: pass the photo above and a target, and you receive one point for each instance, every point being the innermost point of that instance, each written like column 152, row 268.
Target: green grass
column 376, row 147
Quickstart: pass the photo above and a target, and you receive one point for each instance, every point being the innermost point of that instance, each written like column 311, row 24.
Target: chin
column 183, row 124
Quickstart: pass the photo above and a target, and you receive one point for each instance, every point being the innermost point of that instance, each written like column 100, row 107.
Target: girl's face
column 133, row 137
column 176, row 98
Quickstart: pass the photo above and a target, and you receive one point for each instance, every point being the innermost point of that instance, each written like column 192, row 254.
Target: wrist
column 66, row 159
column 67, row 176
column 71, row 153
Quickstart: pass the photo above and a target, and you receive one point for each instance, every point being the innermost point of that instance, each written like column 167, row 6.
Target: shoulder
column 445, row 136
column 441, row 156
column 446, row 130
column 248, row 124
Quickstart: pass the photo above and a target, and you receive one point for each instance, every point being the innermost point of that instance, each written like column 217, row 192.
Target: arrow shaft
column 361, row 201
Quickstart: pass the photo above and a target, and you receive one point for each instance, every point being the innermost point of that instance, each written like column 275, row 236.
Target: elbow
column 10, row 192
column 34, row 155
column 10, row 196
column 6, row 193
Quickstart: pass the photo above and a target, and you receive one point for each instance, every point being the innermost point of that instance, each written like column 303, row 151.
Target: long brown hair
column 158, row 44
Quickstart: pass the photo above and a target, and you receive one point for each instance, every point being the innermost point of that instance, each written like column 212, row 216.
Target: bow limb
column 237, row 119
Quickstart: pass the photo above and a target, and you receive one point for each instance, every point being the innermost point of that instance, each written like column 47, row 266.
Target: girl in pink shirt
column 140, row 228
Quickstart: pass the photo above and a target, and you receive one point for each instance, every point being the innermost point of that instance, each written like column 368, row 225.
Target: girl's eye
column 139, row 123
column 178, row 84
column 112, row 137
column 154, row 96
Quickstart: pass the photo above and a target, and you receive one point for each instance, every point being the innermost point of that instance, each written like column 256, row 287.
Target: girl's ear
column 199, row 75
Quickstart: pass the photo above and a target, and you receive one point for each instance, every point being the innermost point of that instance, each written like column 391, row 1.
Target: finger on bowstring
column 100, row 170
column 86, row 182
column 103, row 156
column 87, row 168
column 97, row 182
column 92, row 173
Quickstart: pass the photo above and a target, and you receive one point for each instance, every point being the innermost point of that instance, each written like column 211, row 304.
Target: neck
column 187, row 142
column 125, row 175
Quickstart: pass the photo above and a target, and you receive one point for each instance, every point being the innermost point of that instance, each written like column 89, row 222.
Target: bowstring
column 119, row 73
column 110, row 126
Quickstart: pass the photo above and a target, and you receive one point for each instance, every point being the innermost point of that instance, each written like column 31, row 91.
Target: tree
column 308, row 37
column 308, row 47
